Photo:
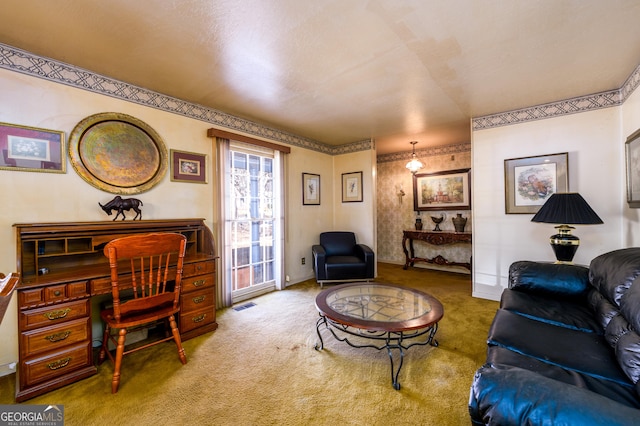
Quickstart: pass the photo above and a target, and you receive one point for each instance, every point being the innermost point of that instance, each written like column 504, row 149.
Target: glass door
column 251, row 223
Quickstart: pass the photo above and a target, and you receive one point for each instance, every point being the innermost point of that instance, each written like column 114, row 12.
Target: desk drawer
column 196, row 300
column 195, row 319
column 41, row 317
column 200, row 282
column 52, row 294
column 40, row 369
column 50, row 338
column 198, row 268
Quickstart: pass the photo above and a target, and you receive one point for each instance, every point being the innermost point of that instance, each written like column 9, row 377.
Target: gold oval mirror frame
column 118, row 153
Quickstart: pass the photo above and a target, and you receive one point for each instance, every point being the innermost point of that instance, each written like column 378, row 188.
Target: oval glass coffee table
column 379, row 316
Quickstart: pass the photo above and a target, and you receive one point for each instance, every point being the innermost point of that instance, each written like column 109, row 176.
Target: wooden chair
column 154, row 262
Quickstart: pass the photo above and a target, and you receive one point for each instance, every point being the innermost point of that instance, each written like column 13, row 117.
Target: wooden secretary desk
column 62, row 266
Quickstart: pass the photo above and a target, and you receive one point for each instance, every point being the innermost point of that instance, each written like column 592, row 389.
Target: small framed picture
column 448, row 190
column 310, row 189
column 352, row 187
column 32, row 149
column 530, row 181
column 632, row 154
column 188, row 167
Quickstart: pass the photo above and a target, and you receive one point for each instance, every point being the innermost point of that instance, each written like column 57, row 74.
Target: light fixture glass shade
column 414, row 164
column 566, row 209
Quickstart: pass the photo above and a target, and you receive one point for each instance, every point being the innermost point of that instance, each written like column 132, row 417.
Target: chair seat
column 136, row 319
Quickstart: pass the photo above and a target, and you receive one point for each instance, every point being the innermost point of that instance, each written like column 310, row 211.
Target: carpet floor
column 260, row 368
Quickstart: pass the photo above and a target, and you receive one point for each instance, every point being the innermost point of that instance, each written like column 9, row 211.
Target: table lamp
column 566, row 209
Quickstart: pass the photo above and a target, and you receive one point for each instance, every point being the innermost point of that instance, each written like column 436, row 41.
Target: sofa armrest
column 505, row 395
column 551, row 279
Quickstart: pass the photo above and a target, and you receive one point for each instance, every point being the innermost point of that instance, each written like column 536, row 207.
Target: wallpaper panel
column 395, row 212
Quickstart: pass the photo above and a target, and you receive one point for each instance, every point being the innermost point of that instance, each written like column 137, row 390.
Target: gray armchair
column 339, row 259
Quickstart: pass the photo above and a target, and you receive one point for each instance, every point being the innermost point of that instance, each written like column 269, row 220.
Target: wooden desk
column 436, row 238
column 62, row 266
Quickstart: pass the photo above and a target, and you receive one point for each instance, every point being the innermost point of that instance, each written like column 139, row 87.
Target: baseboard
column 6, row 369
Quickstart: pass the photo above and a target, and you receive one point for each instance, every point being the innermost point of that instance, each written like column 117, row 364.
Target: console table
column 62, row 266
column 436, row 238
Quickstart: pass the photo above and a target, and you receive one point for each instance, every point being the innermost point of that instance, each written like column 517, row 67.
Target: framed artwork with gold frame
column 117, row 153
column 32, row 149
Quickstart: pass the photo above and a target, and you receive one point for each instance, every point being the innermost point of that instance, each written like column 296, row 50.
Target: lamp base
column 564, row 244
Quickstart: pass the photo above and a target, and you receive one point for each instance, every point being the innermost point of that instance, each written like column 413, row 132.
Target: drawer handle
column 199, row 283
column 57, row 293
column 54, row 315
column 58, row 337
column 199, row 299
column 59, row 364
column 199, row 318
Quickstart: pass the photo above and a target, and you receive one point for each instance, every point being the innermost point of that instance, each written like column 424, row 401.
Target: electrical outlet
column 303, row 260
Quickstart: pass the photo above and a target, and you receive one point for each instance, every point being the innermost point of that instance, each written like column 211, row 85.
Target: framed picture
column 310, row 189
column 188, row 167
column 450, row 190
column 530, row 181
column 32, row 149
column 632, row 154
column 352, row 187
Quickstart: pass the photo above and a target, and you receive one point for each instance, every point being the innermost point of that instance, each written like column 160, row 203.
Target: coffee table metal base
column 380, row 340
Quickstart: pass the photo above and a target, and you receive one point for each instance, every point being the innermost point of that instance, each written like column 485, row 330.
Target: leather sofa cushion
column 623, row 393
column 506, row 395
column 338, row 243
column 613, row 273
column 560, row 312
column 551, row 279
column 345, row 267
column 587, row 353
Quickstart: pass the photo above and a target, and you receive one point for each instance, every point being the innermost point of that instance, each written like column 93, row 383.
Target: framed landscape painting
column 530, row 181
column 449, row 190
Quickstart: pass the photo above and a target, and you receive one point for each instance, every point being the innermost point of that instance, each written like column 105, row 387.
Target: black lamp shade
column 566, row 209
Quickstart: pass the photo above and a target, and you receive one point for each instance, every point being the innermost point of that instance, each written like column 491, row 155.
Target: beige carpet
column 260, row 368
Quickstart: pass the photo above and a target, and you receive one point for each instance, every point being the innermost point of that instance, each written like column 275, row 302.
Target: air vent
column 245, row 306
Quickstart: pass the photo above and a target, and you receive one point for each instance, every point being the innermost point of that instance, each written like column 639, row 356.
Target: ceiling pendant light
column 414, row 165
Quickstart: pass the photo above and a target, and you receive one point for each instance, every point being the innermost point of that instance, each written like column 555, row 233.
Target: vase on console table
column 437, row 221
column 418, row 224
column 459, row 222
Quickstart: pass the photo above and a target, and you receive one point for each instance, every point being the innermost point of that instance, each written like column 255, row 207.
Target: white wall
column 630, row 123
column 595, row 146
column 358, row 217
column 45, row 197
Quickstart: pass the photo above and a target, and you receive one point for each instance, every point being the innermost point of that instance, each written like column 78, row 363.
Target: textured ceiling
column 341, row 71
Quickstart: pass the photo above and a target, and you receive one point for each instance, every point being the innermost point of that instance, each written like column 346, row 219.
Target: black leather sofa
column 338, row 258
column 564, row 347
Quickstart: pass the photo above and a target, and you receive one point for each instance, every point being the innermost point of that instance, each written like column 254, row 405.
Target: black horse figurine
column 120, row 204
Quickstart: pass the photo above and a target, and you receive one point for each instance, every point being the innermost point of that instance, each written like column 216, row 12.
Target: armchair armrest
column 365, row 253
column 552, row 279
column 319, row 256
